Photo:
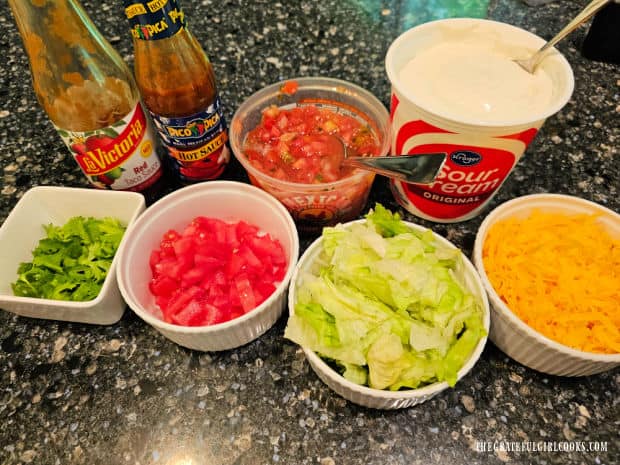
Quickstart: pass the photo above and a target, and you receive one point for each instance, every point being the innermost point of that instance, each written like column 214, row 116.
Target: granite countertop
column 80, row 394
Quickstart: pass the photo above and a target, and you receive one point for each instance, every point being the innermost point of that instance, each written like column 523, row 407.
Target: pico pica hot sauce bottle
column 178, row 87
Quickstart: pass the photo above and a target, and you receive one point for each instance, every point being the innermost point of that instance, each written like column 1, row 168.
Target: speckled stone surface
column 78, row 394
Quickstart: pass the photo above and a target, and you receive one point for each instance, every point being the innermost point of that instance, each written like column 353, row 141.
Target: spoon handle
column 418, row 169
column 585, row 14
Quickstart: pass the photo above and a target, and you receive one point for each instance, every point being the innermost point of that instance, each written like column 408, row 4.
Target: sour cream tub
column 443, row 113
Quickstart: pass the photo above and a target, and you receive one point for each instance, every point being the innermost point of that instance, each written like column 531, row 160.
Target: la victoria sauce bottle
column 90, row 96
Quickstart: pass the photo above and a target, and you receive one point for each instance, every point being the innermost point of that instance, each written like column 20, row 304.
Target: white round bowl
column 377, row 398
column 228, row 201
column 511, row 334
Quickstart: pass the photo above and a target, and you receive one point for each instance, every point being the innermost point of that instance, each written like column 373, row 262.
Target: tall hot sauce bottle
column 90, row 96
column 178, row 87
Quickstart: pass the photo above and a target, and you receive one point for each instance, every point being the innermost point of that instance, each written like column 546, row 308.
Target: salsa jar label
column 154, row 19
column 314, row 210
column 196, row 143
column 119, row 157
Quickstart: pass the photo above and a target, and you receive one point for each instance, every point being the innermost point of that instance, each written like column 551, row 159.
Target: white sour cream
column 475, row 80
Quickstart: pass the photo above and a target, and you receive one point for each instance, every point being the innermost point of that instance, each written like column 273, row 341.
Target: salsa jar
column 323, row 199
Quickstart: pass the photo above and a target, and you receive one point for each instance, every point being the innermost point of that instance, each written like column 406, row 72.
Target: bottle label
column 119, row 157
column 154, row 19
column 196, row 143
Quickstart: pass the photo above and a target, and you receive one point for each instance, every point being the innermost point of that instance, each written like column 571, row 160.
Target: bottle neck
column 154, row 20
column 72, row 63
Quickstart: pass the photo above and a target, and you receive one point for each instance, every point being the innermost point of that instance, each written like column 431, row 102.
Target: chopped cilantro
column 72, row 262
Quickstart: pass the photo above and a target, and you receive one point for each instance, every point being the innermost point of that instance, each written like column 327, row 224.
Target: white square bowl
column 511, row 334
column 226, row 200
column 23, row 229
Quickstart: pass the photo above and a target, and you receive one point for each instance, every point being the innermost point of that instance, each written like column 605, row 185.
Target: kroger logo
column 465, row 158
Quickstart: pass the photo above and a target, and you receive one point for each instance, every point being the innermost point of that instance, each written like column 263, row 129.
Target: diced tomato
column 245, row 292
column 208, row 263
column 162, row 302
column 173, row 267
column 222, row 301
column 236, row 312
column 170, row 236
column 191, row 229
column 279, row 272
column 219, row 278
column 233, row 297
column 263, row 246
column 231, row 236
column 167, row 243
column 235, row 266
column 180, row 298
column 215, row 291
column 219, row 251
column 166, row 249
column 296, row 144
column 253, row 155
column 275, row 132
column 193, row 276
column 264, row 135
column 289, row 87
column 192, row 315
column 282, row 121
column 182, row 245
column 200, row 313
column 271, row 112
column 154, row 259
column 214, row 271
column 220, row 314
column 249, row 257
column 162, row 285
column 210, row 224
column 278, row 255
column 263, row 289
column 246, row 229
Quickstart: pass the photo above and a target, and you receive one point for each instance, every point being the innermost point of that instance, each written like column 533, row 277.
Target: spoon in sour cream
column 532, row 62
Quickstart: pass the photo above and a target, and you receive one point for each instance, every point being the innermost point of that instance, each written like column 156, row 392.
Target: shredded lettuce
column 386, row 306
column 72, row 261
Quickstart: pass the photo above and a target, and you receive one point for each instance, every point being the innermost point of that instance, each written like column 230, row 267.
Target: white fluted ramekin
column 511, row 334
column 228, row 201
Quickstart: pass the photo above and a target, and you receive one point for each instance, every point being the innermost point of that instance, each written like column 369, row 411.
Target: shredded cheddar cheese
column 561, row 275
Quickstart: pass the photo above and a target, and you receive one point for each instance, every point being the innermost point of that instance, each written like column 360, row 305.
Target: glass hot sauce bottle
column 90, row 96
column 178, row 87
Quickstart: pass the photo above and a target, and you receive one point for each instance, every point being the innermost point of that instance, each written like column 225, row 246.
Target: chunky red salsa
column 290, row 144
